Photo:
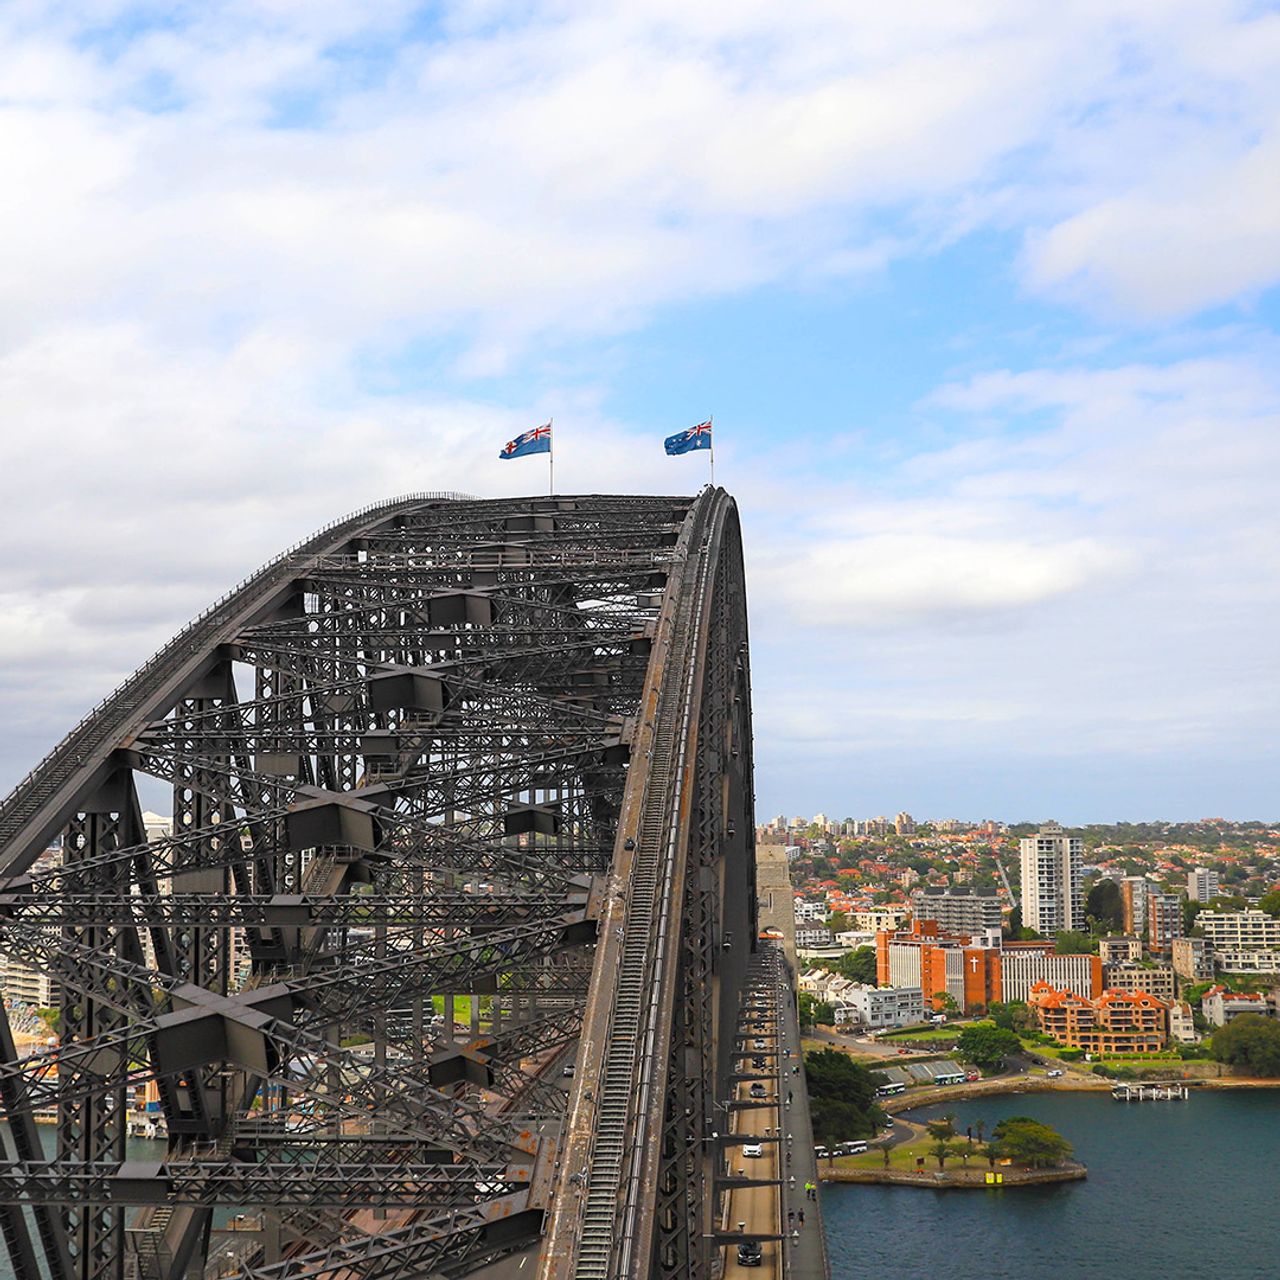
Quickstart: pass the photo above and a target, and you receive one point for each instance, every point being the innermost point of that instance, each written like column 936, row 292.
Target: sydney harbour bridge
column 437, row 962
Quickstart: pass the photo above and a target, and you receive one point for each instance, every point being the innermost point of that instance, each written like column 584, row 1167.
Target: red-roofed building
column 1219, row 1005
column 1114, row 1022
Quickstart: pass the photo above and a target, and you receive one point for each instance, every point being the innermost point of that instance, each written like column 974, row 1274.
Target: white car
column 752, row 1150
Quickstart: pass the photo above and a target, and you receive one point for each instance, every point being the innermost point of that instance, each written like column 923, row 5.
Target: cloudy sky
column 982, row 296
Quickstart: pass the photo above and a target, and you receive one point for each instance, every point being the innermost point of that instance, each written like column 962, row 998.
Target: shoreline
column 1003, row 1085
column 958, row 1179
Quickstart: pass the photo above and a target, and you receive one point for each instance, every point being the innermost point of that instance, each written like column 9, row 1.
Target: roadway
column 755, row 1113
column 769, row 1044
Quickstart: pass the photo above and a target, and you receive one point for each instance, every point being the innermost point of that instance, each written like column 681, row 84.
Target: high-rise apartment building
column 904, row 824
column 1202, row 884
column 1052, row 894
column 1134, row 891
column 1164, row 921
column 958, row 910
column 1240, row 930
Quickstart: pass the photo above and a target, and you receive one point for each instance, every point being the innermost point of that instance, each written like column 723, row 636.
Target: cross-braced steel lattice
column 460, row 796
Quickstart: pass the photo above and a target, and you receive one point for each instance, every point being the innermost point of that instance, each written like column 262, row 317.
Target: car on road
column 567, row 1069
column 1054, row 1073
column 752, row 1150
column 757, row 1090
column 758, row 1063
column 750, row 1253
column 759, row 1044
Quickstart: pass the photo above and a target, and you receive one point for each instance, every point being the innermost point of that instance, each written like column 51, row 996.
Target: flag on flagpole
column 698, row 437
column 535, row 440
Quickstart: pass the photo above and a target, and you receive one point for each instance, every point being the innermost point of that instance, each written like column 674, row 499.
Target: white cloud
column 213, row 225
column 883, row 579
column 339, row 172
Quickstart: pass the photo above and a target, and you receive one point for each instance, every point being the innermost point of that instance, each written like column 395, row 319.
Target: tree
column 987, row 1046
column 1028, row 1142
column 813, row 1011
column 1250, row 1042
column 837, row 922
column 1071, row 943
column 1227, row 902
column 1270, row 902
column 947, row 1002
column 858, row 965
column 942, row 1127
column 842, row 1096
column 1012, row 1016
column 940, row 1150
column 1104, row 904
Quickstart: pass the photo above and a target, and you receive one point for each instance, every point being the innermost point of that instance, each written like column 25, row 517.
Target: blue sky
column 983, row 298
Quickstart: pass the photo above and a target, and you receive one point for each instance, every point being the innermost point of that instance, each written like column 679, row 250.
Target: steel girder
column 409, row 763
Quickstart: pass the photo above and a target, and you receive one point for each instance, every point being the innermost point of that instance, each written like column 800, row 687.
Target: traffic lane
column 757, row 1207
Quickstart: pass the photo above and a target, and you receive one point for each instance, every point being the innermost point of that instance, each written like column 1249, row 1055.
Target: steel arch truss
column 410, row 765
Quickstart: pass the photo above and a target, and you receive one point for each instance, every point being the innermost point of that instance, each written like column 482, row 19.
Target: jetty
column 1154, row 1091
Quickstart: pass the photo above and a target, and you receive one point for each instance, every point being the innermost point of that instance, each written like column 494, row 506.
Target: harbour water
column 1176, row 1191
column 136, row 1149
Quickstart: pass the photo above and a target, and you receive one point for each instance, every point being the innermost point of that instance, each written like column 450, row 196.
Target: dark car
column 750, row 1253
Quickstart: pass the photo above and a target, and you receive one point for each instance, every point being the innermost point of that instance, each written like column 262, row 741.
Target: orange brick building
column 976, row 971
column 1114, row 1022
column 939, row 964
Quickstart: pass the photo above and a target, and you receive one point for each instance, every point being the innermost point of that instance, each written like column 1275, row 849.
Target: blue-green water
column 1176, row 1191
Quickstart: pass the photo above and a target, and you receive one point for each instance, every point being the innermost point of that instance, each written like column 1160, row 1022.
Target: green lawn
column 902, row 1157
column 461, row 1008
column 925, row 1035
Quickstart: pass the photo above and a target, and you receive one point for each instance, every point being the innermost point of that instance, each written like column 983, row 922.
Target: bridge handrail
column 13, row 811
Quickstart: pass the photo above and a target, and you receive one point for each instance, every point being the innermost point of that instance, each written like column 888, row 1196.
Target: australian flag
column 535, row 440
column 698, row 437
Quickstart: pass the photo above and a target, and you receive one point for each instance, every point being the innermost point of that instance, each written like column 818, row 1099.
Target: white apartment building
column 881, row 1006
column 878, row 918
column 810, row 938
column 1052, row 870
column 1021, row 970
column 1261, row 961
column 1202, row 884
column 1182, row 1026
column 22, row 984
column 1240, row 930
column 809, row 911
column 853, row 939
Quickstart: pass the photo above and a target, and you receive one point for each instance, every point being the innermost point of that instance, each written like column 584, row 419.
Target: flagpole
column 712, row 451
column 551, row 459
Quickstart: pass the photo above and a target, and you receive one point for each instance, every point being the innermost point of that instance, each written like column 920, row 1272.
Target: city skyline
column 984, row 306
